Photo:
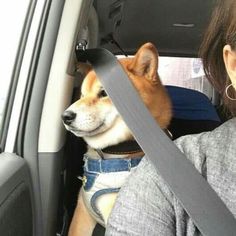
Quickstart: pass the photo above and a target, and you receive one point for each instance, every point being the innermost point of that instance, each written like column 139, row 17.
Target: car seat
column 193, row 112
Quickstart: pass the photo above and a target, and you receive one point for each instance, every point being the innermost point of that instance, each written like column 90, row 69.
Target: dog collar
column 127, row 147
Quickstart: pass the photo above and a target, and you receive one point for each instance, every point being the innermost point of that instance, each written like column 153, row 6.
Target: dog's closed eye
column 102, row 93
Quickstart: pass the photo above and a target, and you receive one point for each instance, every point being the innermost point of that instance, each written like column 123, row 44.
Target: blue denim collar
column 110, row 165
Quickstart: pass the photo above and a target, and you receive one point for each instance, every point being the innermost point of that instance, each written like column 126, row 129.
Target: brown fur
column 142, row 71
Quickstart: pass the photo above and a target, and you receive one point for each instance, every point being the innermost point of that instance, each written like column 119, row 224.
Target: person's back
column 154, row 208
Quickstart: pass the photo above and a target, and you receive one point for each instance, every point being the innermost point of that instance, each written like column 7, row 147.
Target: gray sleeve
column 144, row 205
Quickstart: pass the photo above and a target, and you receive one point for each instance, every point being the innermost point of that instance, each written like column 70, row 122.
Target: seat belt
column 200, row 201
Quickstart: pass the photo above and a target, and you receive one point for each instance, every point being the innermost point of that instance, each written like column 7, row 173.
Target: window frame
column 8, row 106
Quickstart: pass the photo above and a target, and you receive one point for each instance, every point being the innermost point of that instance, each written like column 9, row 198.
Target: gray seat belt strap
column 200, row 201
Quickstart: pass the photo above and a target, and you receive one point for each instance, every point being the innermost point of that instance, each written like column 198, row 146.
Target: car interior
column 45, row 178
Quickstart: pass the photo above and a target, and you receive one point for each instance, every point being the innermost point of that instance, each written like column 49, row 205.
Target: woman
column 146, row 206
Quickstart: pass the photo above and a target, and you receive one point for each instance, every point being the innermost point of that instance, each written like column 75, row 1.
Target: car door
column 17, row 214
column 34, row 91
column 28, row 37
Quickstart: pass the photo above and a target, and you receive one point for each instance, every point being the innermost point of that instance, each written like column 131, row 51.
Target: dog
column 112, row 151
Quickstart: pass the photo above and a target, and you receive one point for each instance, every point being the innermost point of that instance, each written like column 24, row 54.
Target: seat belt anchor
column 81, row 45
column 80, row 49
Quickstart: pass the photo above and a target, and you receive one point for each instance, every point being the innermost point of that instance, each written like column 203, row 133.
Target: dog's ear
column 83, row 68
column 145, row 62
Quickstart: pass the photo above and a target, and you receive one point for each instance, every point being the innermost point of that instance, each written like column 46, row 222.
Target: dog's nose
column 68, row 117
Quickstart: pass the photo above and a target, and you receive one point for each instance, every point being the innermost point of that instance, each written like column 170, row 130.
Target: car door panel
column 16, row 206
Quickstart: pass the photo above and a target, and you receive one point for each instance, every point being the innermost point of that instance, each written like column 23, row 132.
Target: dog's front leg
column 82, row 223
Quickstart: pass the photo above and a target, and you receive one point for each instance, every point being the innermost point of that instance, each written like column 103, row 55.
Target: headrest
column 190, row 104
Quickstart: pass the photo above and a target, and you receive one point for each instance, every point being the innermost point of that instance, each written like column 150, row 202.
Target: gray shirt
column 146, row 206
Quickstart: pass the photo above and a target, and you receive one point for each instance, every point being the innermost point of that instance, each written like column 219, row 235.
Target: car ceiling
column 174, row 26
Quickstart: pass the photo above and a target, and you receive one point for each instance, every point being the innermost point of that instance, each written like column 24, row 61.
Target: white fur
column 87, row 124
column 117, row 133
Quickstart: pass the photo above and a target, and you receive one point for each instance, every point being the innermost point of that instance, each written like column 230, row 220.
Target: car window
column 184, row 72
column 12, row 19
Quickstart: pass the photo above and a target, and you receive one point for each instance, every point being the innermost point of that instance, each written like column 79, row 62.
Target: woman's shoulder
column 202, row 149
column 213, row 145
column 224, row 133
column 214, row 155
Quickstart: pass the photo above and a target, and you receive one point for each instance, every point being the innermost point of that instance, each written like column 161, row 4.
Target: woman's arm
column 144, row 205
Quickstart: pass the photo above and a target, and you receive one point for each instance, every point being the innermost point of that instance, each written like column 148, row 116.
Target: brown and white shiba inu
column 95, row 118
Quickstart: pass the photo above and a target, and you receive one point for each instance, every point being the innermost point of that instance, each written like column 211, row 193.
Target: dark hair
column 221, row 31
